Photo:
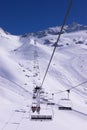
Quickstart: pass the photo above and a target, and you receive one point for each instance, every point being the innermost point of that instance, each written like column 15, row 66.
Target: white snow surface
column 68, row 69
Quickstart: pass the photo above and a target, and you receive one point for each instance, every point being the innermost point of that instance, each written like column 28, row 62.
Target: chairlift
column 34, row 96
column 51, row 103
column 65, row 104
column 41, row 113
column 50, row 100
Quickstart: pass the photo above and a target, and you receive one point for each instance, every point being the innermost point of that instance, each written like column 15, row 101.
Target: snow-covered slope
column 67, row 70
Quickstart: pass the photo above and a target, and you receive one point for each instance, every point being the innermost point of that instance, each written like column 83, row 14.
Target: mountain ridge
column 52, row 30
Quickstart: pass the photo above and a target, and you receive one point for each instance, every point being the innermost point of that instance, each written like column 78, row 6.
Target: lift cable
column 56, row 43
column 71, row 87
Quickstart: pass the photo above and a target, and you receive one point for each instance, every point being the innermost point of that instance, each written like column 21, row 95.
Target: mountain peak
column 2, row 31
column 75, row 27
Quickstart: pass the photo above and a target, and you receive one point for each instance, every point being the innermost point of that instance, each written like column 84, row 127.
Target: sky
column 26, row 16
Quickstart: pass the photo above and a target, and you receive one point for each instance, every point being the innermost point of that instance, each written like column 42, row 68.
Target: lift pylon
column 38, row 112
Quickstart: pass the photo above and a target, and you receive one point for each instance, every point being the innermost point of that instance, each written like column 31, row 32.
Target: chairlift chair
column 65, row 104
column 41, row 114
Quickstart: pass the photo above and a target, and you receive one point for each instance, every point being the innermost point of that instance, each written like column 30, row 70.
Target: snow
column 68, row 69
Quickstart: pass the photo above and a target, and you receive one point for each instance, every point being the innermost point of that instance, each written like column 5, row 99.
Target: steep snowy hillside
column 68, row 71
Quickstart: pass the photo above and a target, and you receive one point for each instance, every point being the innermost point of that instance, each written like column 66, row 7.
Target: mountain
column 68, row 70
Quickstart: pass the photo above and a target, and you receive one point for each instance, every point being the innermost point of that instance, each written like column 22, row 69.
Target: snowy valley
column 68, row 70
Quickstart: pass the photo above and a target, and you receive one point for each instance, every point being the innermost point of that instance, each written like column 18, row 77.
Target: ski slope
column 68, row 69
